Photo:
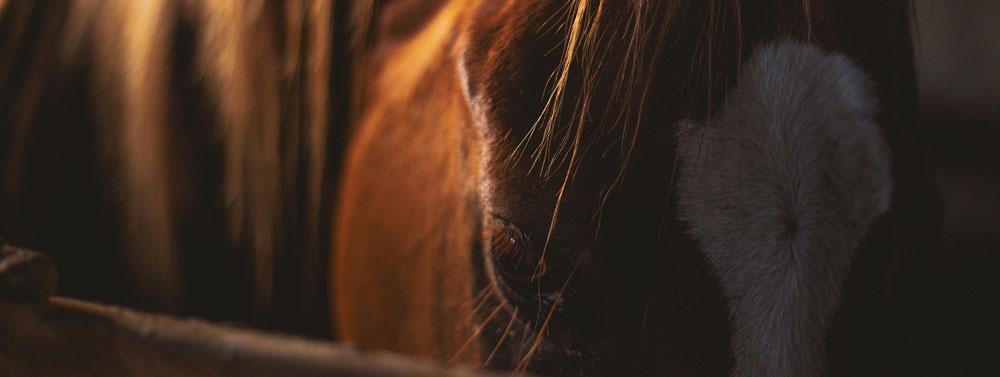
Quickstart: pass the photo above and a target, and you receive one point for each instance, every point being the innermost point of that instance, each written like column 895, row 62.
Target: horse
column 562, row 187
column 587, row 187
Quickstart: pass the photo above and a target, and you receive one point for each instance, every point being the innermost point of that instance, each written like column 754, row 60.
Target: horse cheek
column 405, row 227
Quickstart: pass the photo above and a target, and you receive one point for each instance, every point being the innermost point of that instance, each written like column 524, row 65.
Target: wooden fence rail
column 42, row 336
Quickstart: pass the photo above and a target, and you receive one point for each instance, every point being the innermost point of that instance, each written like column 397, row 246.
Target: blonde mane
column 266, row 68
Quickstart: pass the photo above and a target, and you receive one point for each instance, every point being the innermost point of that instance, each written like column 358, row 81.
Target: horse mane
column 252, row 60
column 265, row 67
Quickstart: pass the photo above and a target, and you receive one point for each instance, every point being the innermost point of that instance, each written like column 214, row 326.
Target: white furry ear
column 780, row 189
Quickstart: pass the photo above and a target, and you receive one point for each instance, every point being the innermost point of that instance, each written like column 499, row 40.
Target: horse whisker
column 523, row 363
column 479, row 303
column 503, row 337
column 475, row 334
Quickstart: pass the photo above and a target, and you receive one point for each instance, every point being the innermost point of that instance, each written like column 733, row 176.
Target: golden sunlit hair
column 273, row 96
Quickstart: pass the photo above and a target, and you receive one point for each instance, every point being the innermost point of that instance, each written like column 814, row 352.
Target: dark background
column 958, row 67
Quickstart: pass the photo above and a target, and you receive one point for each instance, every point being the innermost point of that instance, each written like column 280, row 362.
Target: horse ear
column 780, row 189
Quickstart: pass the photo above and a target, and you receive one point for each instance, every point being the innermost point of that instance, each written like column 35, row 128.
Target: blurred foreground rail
column 41, row 336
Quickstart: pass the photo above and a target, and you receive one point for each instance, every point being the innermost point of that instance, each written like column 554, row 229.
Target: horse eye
column 518, row 266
